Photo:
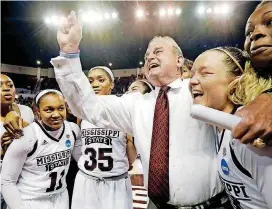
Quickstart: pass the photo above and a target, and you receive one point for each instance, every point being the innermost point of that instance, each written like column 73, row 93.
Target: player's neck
column 229, row 108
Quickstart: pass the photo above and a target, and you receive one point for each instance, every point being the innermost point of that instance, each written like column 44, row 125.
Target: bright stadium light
column 140, row 63
column 216, row 9
column 178, row 11
column 85, row 17
column 162, row 12
column 91, row 16
column 99, row 17
column 110, row 64
column 107, row 16
column 139, row 13
column 114, row 15
column 209, row 10
column 47, row 20
column 38, row 62
column 201, row 10
column 55, row 19
column 170, row 11
column 225, row 9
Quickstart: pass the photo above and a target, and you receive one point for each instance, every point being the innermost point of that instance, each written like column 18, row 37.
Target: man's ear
column 180, row 61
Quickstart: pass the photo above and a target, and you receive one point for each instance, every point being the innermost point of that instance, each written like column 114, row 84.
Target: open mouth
column 97, row 91
column 197, row 95
column 8, row 96
column 56, row 122
column 153, row 65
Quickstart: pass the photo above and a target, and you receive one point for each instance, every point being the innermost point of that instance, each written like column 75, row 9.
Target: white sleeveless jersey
column 44, row 171
column 242, row 172
column 103, row 151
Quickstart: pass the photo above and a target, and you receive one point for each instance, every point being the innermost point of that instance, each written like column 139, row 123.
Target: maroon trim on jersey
column 33, row 150
column 49, row 136
column 238, row 164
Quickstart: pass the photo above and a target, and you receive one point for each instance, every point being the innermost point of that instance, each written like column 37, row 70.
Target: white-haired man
column 178, row 152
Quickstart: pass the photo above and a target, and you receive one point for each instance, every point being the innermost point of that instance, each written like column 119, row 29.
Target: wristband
column 70, row 55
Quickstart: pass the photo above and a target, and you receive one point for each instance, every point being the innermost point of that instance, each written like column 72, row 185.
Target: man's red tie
column 158, row 178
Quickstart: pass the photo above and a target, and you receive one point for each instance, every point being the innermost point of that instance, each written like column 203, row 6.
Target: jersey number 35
column 107, row 166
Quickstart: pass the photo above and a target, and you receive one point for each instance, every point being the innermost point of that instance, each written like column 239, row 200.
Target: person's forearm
column 11, row 169
column 102, row 111
column 11, row 195
column 131, row 150
column 77, row 150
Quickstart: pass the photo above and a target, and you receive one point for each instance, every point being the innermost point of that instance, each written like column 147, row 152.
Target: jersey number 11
column 54, row 176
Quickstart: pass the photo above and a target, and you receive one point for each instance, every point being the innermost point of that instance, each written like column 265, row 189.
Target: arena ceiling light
column 47, row 20
column 110, row 64
column 216, row 10
column 162, row 12
column 52, row 20
column 55, row 19
column 225, row 9
column 107, row 16
column 201, row 10
column 96, row 17
column 178, row 11
column 141, row 63
column 140, row 13
column 114, row 15
column 209, row 10
column 170, row 12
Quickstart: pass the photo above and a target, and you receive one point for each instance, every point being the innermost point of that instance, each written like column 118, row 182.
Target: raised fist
column 69, row 33
column 14, row 124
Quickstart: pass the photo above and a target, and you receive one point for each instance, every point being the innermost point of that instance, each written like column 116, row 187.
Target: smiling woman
column 35, row 166
column 51, row 109
column 243, row 167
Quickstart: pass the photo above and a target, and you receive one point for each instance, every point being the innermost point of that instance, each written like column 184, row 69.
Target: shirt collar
column 176, row 84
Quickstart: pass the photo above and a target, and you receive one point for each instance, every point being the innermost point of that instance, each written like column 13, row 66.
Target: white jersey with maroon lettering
column 44, row 171
column 242, row 169
column 103, row 151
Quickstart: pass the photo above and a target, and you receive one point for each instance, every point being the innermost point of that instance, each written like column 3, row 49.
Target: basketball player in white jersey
column 102, row 181
column 243, row 168
column 7, row 106
column 35, row 166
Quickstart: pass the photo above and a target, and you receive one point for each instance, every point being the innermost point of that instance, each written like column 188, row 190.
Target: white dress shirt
column 192, row 156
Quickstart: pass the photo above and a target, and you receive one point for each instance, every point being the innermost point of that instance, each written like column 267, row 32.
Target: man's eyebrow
column 156, row 48
column 267, row 12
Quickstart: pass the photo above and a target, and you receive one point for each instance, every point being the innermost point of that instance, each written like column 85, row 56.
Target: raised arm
column 104, row 111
